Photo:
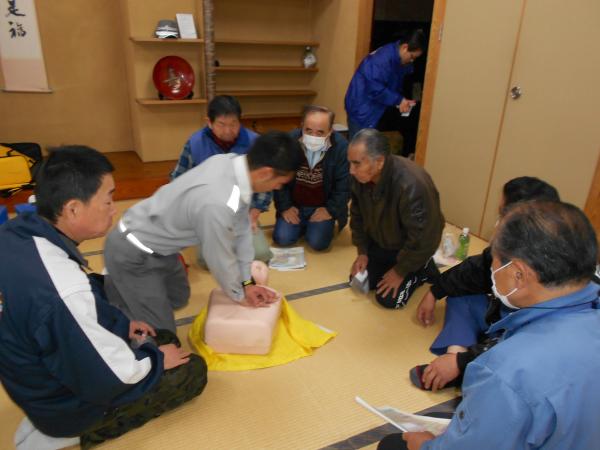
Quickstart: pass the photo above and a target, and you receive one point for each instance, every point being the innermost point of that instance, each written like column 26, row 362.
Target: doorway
column 390, row 20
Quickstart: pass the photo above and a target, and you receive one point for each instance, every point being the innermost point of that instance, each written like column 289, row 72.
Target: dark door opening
column 392, row 18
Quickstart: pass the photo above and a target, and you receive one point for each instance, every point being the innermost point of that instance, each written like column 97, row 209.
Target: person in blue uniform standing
column 375, row 97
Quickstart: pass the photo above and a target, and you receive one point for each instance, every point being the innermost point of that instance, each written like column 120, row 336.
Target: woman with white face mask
column 318, row 196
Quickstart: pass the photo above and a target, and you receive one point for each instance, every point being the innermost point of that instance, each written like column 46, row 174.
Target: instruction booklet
column 291, row 258
column 405, row 421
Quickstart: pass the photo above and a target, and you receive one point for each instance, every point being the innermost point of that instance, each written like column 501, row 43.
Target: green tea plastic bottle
column 463, row 244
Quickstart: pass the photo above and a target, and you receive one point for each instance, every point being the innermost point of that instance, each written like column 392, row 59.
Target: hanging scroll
column 21, row 54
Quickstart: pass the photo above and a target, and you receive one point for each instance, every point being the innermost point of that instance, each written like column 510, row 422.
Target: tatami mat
column 307, row 404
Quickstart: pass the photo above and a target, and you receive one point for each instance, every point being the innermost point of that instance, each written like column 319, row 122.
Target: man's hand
column 391, row 281
column 415, row 439
column 440, row 371
column 406, row 105
column 174, row 356
column 257, row 296
column 359, row 264
column 291, row 215
column 254, row 213
column 425, row 309
column 320, row 215
column 139, row 330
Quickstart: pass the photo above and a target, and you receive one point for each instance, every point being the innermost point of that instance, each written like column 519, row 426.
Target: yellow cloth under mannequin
column 294, row 338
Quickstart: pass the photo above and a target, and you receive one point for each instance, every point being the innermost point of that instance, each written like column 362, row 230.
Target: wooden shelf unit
column 288, row 115
column 158, row 102
column 242, row 68
column 161, row 127
column 259, row 47
column 269, row 92
column 266, row 42
column 165, row 41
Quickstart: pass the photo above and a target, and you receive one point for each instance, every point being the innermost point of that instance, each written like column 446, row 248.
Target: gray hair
column 376, row 144
column 555, row 239
column 309, row 109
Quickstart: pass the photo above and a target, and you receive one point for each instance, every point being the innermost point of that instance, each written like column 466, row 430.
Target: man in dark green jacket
column 395, row 219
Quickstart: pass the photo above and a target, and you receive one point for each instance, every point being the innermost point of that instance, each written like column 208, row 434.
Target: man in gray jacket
column 207, row 206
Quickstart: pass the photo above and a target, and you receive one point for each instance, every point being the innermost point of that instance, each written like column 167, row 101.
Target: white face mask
column 314, row 143
column 503, row 298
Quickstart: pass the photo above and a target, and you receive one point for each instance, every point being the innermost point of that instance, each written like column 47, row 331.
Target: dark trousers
column 380, row 261
column 177, row 386
column 393, row 120
column 392, row 442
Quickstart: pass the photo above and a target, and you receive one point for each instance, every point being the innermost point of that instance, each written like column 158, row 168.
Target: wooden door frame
column 433, row 56
column 592, row 205
column 365, row 24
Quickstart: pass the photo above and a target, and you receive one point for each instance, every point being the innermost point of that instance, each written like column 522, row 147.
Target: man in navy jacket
column 375, row 97
column 75, row 364
column 318, row 196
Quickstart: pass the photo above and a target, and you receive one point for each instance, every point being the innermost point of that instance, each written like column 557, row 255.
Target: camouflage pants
column 176, row 387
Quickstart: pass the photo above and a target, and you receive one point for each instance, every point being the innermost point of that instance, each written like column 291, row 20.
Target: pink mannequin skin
column 260, row 273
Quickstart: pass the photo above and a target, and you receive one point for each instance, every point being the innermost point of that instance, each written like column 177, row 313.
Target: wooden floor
column 133, row 178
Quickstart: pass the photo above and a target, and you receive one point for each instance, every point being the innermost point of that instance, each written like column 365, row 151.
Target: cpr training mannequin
column 233, row 328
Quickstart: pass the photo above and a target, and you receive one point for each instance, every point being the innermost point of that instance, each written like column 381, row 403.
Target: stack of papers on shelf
column 287, row 258
column 405, row 421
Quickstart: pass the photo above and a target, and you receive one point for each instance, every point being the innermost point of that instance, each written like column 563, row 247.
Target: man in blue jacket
column 75, row 364
column 224, row 133
column 318, row 195
column 375, row 97
column 535, row 389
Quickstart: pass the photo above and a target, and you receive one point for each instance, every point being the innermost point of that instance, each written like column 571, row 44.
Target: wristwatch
column 248, row 282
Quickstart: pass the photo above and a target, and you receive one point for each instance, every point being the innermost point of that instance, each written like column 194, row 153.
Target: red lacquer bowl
column 173, row 78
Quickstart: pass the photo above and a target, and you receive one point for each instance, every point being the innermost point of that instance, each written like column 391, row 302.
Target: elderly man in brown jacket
column 395, row 219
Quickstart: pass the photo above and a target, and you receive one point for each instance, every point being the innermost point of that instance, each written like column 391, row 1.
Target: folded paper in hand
column 405, row 421
column 360, row 282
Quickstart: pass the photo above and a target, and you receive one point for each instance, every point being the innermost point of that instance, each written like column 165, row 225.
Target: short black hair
column 555, row 239
column 224, row 105
column 528, row 188
column 70, row 172
column 310, row 109
column 415, row 39
column 277, row 150
column 376, row 143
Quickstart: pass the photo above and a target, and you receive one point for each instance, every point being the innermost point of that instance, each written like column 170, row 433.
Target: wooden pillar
column 209, row 48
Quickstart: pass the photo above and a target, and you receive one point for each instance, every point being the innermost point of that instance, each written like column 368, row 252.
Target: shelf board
column 289, row 115
column 166, row 41
column 156, row 101
column 265, row 42
column 265, row 69
column 269, row 92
